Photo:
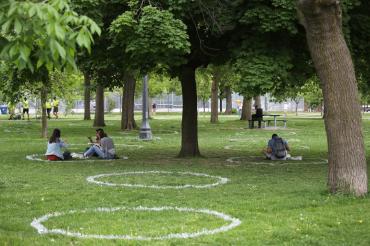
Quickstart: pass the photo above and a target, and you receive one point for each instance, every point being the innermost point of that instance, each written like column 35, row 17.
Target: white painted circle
column 41, row 229
column 244, row 140
column 136, row 146
column 221, row 180
column 305, row 161
column 41, row 157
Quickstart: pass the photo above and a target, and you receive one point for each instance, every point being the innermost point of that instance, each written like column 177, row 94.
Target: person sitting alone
column 103, row 147
column 258, row 116
column 277, row 148
column 55, row 145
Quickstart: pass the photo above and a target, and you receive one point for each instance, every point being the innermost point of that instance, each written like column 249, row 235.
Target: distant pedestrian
column 154, row 107
column 11, row 110
column 48, row 108
column 26, row 108
column 55, row 107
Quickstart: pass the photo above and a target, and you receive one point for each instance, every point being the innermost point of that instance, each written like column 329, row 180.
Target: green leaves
column 155, row 37
column 40, row 34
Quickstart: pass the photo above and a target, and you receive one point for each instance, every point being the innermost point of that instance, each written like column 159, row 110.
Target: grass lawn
column 279, row 203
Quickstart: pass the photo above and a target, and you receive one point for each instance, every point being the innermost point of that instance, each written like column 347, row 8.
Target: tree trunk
column 246, row 109
column 214, row 99
column 44, row 120
column 257, row 101
column 87, row 96
column 150, row 107
column 343, row 123
column 99, row 107
column 229, row 103
column 128, row 104
column 220, row 102
column 189, row 124
column 296, row 107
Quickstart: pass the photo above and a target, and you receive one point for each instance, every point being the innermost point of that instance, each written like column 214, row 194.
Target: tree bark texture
column 44, row 119
column 257, row 101
column 229, row 103
column 150, row 107
column 99, row 107
column 214, row 99
column 87, row 96
column 246, row 109
column 128, row 122
column 189, row 124
column 343, row 123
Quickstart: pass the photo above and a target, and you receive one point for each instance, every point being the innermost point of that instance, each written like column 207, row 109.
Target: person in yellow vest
column 55, row 107
column 11, row 109
column 48, row 108
column 26, row 108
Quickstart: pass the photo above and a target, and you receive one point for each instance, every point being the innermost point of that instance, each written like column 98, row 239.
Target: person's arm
column 63, row 144
column 287, row 147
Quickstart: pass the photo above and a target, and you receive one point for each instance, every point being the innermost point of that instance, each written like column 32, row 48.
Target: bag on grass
column 67, row 155
column 279, row 149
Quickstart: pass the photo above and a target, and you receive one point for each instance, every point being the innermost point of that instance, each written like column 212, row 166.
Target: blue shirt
column 56, row 148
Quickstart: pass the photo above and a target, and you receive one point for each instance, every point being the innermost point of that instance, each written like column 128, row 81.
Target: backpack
column 278, row 148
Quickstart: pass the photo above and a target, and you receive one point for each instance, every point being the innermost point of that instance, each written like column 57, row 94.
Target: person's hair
column 55, row 98
column 101, row 133
column 274, row 135
column 25, row 98
column 55, row 136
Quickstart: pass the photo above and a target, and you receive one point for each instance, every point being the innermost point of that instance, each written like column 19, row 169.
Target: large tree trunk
column 229, row 103
column 333, row 63
column 189, row 124
column 214, row 99
column 257, row 101
column 44, row 120
column 128, row 104
column 99, row 106
column 246, row 109
column 87, row 96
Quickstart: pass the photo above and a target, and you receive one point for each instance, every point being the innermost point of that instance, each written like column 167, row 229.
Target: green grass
column 281, row 204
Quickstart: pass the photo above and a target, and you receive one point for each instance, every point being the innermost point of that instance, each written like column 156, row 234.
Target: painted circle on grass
column 133, row 138
column 136, row 146
column 41, row 157
column 41, row 229
column 165, row 132
column 248, row 160
column 220, row 180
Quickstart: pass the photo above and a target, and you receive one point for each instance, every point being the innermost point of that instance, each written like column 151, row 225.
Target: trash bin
column 3, row 109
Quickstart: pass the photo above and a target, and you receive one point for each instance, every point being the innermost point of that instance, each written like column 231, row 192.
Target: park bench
column 271, row 120
column 251, row 123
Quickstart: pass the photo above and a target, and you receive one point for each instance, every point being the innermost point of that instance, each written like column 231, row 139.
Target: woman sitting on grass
column 103, row 146
column 55, row 145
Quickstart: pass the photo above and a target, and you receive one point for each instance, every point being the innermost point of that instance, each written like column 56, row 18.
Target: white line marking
column 38, row 157
column 41, row 229
column 221, row 180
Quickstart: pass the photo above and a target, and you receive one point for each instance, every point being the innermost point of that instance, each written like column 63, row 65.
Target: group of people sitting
column 102, row 147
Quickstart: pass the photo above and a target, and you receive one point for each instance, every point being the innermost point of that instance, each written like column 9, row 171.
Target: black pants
column 256, row 118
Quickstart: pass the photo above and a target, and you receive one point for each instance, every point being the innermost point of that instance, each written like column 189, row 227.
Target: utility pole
column 145, row 131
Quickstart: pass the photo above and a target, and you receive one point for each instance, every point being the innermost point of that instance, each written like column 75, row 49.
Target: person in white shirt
column 55, row 145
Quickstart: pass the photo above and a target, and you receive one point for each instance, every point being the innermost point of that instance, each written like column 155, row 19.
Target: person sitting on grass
column 277, row 148
column 55, row 145
column 103, row 147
